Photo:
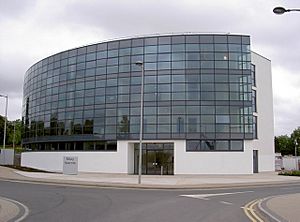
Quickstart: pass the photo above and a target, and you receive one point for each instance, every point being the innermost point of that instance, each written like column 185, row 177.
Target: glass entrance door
column 157, row 158
column 152, row 162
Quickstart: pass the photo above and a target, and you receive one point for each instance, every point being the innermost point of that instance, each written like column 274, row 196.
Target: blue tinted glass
column 150, row 49
column 193, row 84
column 164, row 48
column 178, row 48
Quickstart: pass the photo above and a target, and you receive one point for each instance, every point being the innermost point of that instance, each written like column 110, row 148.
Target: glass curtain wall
column 196, row 87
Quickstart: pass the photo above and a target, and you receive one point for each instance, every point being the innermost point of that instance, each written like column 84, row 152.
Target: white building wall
column 122, row 161
column 265, row 117
column 211, row 162
column 103, row 162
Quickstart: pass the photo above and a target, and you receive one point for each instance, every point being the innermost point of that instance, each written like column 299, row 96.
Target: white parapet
column 215, row 162
column 103, row 162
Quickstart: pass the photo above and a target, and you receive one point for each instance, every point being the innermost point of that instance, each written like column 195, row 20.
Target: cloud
column 286, row 93
column 33, row 30
column 14, row 8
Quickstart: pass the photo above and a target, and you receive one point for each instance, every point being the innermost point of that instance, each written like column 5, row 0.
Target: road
column 65, row 203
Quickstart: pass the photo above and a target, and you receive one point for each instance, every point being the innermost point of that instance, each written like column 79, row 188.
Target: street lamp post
column 281, row 10
column 4, row 136
column 14, row 135
column 141, row 64
column 296, row 144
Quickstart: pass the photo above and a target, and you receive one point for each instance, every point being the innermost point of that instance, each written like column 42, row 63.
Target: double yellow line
column 250, row 211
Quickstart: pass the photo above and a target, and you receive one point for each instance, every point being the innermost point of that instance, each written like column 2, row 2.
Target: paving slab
column 286, row 206
column 149, row 181
column 8, row 210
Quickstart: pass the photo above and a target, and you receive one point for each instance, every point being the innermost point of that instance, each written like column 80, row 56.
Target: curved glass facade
column 197, row 87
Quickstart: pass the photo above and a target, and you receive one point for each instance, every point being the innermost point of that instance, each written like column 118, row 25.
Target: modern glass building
column 200, row 106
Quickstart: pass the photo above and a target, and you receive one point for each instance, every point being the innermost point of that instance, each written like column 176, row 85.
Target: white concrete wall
column 265, row 117
column 211, row 162
column 290, row 162
column 129, row 155
column 7, row 156
column 104, row 162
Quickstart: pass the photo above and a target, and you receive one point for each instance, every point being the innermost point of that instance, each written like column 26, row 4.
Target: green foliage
column 290, row 173
column 10, row 131
column 295, row 136
column 2, row 121
column 286, row 144
column 19, row 149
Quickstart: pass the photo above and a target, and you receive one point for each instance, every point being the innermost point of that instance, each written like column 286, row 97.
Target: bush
column 290, row 173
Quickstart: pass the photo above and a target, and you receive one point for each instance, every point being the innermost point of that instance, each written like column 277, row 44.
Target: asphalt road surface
column 65, row 203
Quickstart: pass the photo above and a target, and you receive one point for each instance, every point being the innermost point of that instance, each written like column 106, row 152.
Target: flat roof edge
column 261, row 55
column 140, row 36
column 159, row 35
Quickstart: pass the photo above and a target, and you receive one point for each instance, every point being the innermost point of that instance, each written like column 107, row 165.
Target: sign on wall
column 70, row 165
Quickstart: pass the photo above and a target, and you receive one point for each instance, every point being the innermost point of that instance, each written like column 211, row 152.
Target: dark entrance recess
column 255, row 161
column 158, row 158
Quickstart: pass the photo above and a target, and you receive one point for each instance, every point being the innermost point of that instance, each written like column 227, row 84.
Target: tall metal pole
column 296, row 147
column 5, row 125
column 14, row 135
column 139, row 63
column 4, row 136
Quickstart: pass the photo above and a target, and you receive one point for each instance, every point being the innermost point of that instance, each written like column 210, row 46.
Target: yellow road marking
column 247, row 209
column 250, row 212
column 253, row 211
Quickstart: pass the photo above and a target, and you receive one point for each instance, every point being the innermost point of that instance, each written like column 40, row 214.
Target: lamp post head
column 139, row 63
column 279, row 10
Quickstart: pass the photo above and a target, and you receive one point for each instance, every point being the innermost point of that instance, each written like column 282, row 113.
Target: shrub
column 290, row 173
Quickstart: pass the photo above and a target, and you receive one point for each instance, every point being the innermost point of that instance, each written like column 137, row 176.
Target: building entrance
column 255, row 161
column 157, row 159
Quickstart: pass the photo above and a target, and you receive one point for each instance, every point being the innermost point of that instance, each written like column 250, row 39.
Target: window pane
column 222, row 145
column 236, row 145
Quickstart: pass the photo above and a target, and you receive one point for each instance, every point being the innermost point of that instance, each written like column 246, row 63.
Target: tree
column 284, row 145
column 295, row 137
column 2, row 121
column 10, row 131
column 17, row 124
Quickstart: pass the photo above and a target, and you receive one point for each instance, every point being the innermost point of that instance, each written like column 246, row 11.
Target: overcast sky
column 34, row 29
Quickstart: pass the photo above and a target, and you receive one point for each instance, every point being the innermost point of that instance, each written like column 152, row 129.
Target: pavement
column 283, row 207
column 8, row 210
